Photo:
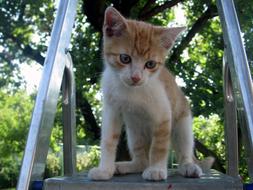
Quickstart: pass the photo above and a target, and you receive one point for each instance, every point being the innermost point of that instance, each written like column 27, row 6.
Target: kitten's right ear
column 169, row 35
column 114, row 23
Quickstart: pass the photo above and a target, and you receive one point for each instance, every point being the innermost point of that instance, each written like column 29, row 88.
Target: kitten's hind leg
column 183, row 143
column 129, row 167
column 138, row 147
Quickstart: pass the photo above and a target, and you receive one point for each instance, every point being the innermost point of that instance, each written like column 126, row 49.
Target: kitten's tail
column 205, row 164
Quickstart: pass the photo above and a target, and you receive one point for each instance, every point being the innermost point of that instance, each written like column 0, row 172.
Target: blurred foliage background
column 196, row 60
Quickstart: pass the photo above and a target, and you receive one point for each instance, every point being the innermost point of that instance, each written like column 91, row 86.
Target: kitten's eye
column 125, row 59
column 150, row 64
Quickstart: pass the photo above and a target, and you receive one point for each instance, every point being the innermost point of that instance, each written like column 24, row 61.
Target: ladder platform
column 211, row 181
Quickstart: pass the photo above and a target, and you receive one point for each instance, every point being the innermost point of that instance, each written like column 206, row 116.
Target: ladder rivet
column 67, row 50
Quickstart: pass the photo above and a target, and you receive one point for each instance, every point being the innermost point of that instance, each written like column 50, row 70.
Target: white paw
column 190, row 170
column 154, row 174
column 100, row 174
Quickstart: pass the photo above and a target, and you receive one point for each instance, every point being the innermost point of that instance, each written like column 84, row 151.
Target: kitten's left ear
column 169, row 36
column 114, row 23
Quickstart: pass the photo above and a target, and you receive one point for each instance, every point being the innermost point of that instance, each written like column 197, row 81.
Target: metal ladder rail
column 231, row 125
column 56, row 63
column 239, row 87
column 69, row 119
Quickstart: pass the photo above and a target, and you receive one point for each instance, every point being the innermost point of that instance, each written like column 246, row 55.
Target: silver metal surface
column 211, row 181
column 36, row 150
column 238, row 66
column 69, row 119
column 231, row 126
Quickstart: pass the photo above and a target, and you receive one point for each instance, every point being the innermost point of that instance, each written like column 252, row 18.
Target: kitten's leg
column 183, row 143
column 111, row 128
column 158, row 155
column 138, row 147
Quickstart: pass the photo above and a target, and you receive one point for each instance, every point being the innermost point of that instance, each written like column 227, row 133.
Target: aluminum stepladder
column 57, row 71
column 238, row 94
column 238, row 89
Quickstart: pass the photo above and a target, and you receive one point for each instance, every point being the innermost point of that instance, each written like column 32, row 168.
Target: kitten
column 142, row 94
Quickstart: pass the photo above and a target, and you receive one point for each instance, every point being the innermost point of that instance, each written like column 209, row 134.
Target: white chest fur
column 144, row 103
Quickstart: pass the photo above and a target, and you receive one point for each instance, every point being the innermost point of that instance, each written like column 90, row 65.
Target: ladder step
column 211, row 181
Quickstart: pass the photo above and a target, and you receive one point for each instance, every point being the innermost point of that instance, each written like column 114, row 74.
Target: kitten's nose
column 135, row 78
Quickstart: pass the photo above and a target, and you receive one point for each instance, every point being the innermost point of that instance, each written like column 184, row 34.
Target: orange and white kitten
column 142, row 94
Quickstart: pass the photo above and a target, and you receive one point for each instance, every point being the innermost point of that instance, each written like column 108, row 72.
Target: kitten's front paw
column 100, row 174
column 190, row 170
column 154, row 174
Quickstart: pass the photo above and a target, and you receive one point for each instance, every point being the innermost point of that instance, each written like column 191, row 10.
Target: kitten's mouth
column 133, row 84
column 136, row 84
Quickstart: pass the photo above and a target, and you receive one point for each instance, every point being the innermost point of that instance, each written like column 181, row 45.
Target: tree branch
column 86, row 111
column 147, row 6
column 94, row 10
column 196, row 28
column 27, row 50
column 33, row 54
column 22, row 10
column 157, row 9
column 124, row 7
column 217, row 163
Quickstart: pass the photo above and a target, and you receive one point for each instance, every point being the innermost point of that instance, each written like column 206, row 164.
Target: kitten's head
column 135, row 50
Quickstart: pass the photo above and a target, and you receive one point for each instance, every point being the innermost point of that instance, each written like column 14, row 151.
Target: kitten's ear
column 169, row 36
column 114, row 23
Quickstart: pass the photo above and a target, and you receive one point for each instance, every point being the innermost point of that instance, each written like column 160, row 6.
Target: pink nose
column 135, row 78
